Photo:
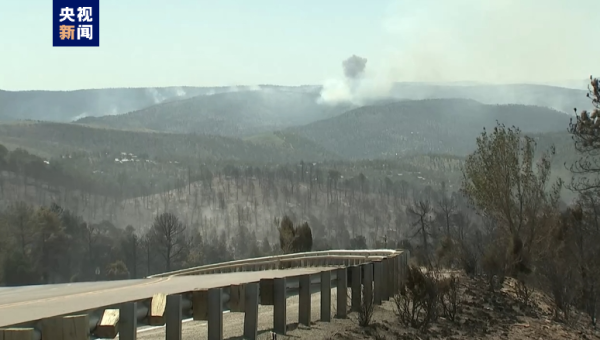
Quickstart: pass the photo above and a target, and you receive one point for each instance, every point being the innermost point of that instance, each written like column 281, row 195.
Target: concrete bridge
column 104, row 310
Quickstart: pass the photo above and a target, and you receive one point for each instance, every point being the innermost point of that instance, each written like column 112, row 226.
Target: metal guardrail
column 143, row 307
column 276, row 259
column 342, row 258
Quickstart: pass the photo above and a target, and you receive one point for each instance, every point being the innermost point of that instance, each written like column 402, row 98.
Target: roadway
column 29, row 303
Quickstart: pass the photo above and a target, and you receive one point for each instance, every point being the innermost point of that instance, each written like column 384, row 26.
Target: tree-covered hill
column 61, row 138
column 446, row 126
column 235, row 114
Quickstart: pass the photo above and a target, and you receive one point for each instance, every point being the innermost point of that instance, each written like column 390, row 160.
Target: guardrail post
column 237, row 298
column 405, row 257
column 76, row 327
column 174, row 317
column 267, row 291
column 385, row 279
column 17, row 333
column 396, row 266
column 356, row 288
column 128, row 321
column 200, row 304
column 304, row 316
column 368, row 282
column 251, row 311
column 326, row 296
column 52, row 328
column 279, row 306
column 342, row 293
column 215, row 314
column 390, row 279
column 378, row 277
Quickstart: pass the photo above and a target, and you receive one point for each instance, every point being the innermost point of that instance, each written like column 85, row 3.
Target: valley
column 229, row 165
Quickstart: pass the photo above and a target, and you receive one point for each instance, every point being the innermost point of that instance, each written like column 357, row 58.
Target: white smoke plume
column 358, row 85
column 180, row 92
column 157, row 97
column 79, row 116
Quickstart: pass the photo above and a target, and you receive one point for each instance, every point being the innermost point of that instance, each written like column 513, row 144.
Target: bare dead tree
column 421, row 211
column 168, row 236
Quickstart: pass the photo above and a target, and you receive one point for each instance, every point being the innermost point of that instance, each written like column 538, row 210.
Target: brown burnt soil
column 481, row 315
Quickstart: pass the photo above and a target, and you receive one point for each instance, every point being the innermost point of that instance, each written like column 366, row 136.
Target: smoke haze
column 495, row 41
column 485, row 41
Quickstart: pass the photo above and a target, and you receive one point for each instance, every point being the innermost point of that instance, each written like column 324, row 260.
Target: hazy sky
column 293, row 42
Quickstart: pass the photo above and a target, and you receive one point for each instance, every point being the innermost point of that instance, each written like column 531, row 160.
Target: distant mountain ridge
column 558, row 98
column 66, row 106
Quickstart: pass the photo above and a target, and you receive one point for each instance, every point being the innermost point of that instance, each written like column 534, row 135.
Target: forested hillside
column 447, row 126
column 235, row 114
column 221, row 214
column 360, row 180
column 54, row 139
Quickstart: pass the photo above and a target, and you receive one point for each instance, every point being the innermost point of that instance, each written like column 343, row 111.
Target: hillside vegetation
column 447, row 126
column 60, row 138
column 234, row 114
column 65, row 106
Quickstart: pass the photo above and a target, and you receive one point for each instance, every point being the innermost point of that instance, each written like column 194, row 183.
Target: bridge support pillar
column 279, row 306
column 128, row 321
column 356, row 288
column 304, row 310
column 378, row 276
column 367, row 270
column 215, row 314
column 174, row 317
column 251, row 311
column 342, row 293
column 326, row 296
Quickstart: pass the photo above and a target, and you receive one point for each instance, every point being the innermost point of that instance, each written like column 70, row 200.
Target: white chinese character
column 84, row 31
column 84, row 14
column 66, row 13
